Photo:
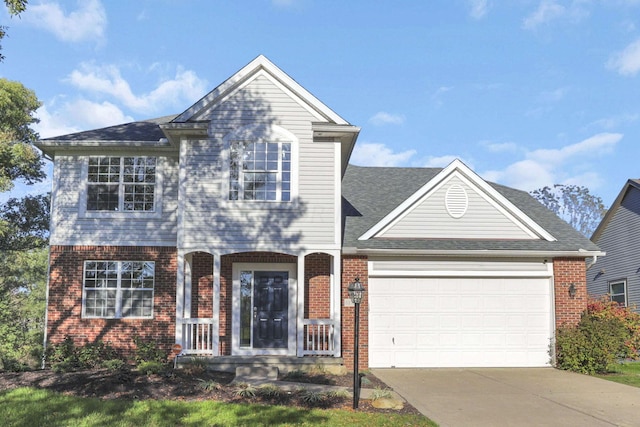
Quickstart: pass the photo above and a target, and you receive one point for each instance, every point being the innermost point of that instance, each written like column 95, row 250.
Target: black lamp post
column 356, row 291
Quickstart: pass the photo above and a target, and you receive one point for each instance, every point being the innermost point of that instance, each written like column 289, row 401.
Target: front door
column 270, row 308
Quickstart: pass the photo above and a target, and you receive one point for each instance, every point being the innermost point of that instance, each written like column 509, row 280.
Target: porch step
column 244, row 373
column 284, row 364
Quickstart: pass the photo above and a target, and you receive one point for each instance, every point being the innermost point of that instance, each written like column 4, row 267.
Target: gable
column 260, row 67
column 457, row 204
column 259, row 100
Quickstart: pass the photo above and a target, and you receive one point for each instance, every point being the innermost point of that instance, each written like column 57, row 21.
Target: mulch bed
column 185, row 385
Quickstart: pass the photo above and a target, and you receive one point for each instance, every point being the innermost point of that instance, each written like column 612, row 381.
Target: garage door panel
column 459, row 322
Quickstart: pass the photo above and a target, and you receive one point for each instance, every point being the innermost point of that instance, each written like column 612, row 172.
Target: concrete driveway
column 514, row 397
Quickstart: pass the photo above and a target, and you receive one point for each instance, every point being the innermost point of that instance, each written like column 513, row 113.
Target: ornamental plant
column 606, row 334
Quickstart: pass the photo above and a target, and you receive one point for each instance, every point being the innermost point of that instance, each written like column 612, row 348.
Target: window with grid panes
column 116, row 289
column 260, row 171
column 618, row 291
column 125, row 184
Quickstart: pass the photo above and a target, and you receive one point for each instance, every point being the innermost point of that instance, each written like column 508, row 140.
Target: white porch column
column 215, row 344
column 300, row 307
column 336, row 301
column 188, row 262
column 180, row 297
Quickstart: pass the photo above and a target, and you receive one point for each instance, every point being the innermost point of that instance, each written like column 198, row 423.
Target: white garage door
column 459, row 322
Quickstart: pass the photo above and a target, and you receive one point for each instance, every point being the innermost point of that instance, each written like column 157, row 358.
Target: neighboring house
column 236, row 227
column 617, row 275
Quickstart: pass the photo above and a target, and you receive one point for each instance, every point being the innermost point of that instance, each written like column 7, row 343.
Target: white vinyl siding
column 431, row 219
column 73, row 225
column 209, row 219
column 621, row 244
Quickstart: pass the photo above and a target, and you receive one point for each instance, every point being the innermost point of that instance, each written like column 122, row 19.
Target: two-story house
column 235, row 228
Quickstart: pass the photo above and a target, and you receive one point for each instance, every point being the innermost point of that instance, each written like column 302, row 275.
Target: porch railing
column 319, row 337
column 197, row 336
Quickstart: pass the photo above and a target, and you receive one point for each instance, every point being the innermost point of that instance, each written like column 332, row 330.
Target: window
column 124, row 184
column 115, row 289
column 260, row 171
column 618, row 292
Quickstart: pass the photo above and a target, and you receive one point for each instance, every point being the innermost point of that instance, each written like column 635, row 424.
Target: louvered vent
column 456, row 201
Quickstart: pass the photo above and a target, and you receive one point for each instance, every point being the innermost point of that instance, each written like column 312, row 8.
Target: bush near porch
column 606, row 334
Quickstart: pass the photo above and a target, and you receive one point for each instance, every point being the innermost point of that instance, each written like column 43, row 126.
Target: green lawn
column 26, row 407
column 625, row 373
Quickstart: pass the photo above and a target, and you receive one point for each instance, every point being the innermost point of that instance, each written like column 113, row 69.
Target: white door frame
column 291, row 269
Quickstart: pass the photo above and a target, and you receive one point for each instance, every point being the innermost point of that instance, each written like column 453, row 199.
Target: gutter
column 580, row 253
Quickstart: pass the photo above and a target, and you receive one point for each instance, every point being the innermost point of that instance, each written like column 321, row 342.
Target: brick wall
column 567, row 271
column 352, row 267
column 64, row 312
column 202, row 285
column 317, row 286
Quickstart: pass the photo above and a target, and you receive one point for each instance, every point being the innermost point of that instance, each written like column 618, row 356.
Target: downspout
column 594, row 260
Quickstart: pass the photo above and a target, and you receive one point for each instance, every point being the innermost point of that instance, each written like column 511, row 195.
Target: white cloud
column 616, row 121
column 478, row 8
column 557, row 166
column 184, row 88
column 439, row 162
column 373, row 154
column 76, row 116
column 500, row 147
column 594, row 146
column 383, row 118
column 627, row 62
column 88, row 22
column 548, row 10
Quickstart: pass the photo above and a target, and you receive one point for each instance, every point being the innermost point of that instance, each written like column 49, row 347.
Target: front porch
column 285, row 364
column 259, row 304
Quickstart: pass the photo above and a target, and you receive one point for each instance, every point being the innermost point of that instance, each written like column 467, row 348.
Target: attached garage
column 499, row 318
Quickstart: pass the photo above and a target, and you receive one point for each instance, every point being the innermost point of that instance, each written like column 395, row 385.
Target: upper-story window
column 125, row 184
column 260, row 171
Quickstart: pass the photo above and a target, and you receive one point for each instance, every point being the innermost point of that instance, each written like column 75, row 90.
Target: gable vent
column 456, row 201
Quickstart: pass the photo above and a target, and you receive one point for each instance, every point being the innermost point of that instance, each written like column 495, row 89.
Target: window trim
column 84, row 192
column 260, row 133
column 624, row 293
column 119, row 290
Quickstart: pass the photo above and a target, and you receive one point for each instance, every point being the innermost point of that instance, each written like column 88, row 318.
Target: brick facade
column 64, row 311
column 352, row 267
column 65, row 295
column 567, row 271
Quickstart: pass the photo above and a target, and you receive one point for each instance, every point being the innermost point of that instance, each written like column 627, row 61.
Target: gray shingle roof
column 143, row 130
column 370, row 193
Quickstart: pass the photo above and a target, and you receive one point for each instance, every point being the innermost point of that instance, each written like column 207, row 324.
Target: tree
column 15, row 8
column 24, row 223
column 23, row 278
column 574, row 204
column 19, row 159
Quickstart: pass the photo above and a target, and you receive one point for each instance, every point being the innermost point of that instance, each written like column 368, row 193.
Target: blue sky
column 526, row 92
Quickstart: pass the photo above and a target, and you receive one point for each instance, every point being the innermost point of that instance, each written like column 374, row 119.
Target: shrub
column 195, row 366
column 605, row 334
column 148, row 351
column 380, row 393
column 246, row 390
column 209, row 385
column 114, row 365
column 270, row 390
column 152, row 367
column 65, row 357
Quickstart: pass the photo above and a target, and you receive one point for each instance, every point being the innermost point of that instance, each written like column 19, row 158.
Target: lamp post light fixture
column 356, row 292
column 572, row 290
